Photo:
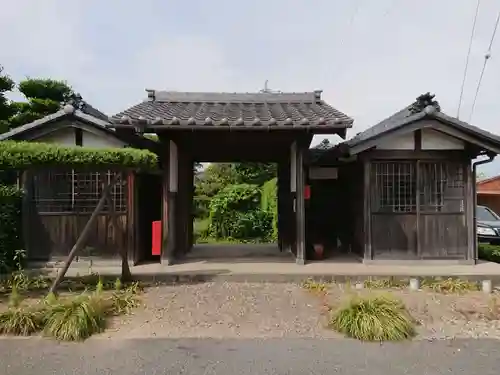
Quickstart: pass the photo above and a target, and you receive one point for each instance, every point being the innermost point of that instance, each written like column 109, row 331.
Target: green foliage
column 374, row 319
column 6, row 108
column 21, row 155
column 254, row 173
column 324, row 145
column 48, row 89
column 488, row 252
column 44, row 97
column 229, row 194
column 77, row 319
column 235, row 213
column 269, row 204
column 10, row 227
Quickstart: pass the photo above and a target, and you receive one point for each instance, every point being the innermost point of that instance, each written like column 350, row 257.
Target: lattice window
column 395, row 187
column 76, row 192
column 442, row 187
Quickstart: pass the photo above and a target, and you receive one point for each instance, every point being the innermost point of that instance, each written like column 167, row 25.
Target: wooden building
column 220, row 127
column 407, row 186
column 60, row 202
column 401, row 191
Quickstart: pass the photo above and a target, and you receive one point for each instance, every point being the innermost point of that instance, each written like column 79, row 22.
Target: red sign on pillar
column 307, row 192
column 156, row 238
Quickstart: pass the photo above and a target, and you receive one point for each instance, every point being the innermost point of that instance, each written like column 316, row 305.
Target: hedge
column 22, row 155
column 489, row 252
column 269, row 203
column 10, row 225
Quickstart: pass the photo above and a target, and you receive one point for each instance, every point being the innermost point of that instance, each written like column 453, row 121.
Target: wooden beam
column 82, row 239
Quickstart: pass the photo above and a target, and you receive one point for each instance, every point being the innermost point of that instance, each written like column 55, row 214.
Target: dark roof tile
column 235, row 109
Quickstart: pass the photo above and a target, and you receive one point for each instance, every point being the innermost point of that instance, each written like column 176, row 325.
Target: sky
column 370, row 58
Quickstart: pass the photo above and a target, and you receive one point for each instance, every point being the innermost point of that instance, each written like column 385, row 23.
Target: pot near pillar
column 318, row 251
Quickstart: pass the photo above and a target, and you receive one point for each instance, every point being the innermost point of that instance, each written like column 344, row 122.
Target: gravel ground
column 441, row 316
column 261, row 310
column 224, row 310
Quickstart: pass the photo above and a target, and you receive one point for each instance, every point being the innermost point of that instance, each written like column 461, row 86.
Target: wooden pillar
column 367, row 217
column 298, row 182
column 170, row 190
column 286, row 221
column 132, row 249
column 184, row 201
column 283, row 184
column 470, row 205
column 27, row 212
column 190, row 204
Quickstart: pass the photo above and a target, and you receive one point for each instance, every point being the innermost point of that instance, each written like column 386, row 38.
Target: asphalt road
column 234, row 357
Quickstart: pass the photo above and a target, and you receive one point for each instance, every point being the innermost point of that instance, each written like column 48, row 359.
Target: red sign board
column 307, row 192
column 156, row 238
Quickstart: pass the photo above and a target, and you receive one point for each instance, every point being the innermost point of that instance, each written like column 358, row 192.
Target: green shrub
column 374, row 319
column 22, row 155
column 77, row 319
column 10, row 226
column 489, row 252
column 235, row 213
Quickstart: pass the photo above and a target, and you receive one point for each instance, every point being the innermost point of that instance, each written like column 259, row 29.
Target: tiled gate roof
column 165, row 109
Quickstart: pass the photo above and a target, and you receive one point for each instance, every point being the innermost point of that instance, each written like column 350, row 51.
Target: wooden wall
column 431, row 221
column 51, row 235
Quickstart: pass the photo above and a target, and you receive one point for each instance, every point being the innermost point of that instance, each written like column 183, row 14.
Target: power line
column 467, row 57
column 486, row 58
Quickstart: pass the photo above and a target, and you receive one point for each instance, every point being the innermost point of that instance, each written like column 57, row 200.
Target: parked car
column 488, row 225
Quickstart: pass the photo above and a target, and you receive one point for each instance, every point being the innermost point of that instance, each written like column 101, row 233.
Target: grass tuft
column 77, row 319
column 450, row 285
column 123, row 302
column 21, row 322
column 389, row 283
column 374, row 319
column 315, row 286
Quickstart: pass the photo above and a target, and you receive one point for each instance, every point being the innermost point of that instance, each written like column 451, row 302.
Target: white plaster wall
column 100, row 141
column 90, row 138
column 400, row 142
column 434, row 140
column 64, row 137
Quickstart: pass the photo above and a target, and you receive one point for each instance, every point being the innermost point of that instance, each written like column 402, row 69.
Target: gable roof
column 415, row 113
column 67, row 110
column 189, row 110
column 88, row 115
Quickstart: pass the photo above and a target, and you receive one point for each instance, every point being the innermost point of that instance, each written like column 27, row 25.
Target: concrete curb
column 200, row 277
